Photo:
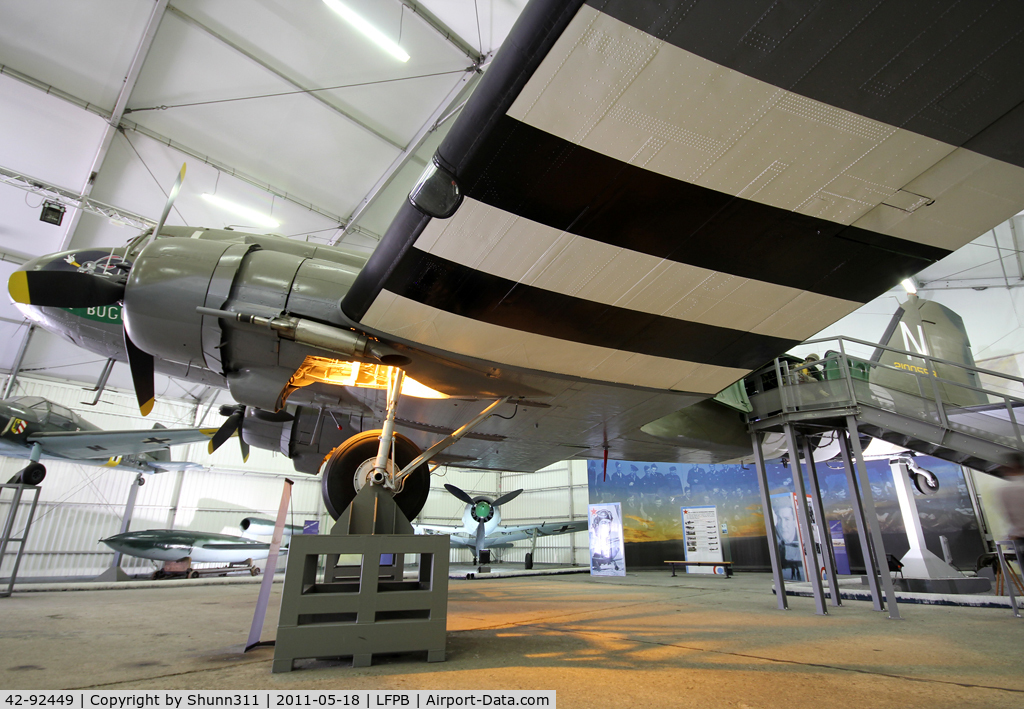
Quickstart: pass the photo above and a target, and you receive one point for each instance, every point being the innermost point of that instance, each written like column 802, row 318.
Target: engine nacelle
column 183, row 294
column 306, row 435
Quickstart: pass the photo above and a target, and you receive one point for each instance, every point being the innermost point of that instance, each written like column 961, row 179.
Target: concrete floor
column 644, row 640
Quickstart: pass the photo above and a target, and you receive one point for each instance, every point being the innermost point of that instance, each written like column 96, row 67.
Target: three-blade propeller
column 236, row 415
column 482, row 511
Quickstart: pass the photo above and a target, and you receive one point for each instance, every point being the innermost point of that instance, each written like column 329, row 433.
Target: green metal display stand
column 328, row 610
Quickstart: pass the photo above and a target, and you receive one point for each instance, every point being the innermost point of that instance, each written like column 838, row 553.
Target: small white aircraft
column 481, row 528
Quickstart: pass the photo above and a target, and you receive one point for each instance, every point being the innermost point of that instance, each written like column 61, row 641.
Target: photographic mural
column 652, row 494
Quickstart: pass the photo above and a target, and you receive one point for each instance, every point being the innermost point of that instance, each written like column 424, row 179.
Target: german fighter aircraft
column 481, row 528
column 640, row 203
column 36, row 427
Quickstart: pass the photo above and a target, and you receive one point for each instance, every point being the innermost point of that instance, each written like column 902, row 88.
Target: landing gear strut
column 386, row 459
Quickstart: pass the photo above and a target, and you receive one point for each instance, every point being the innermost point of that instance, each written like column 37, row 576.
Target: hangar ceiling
column 282, row 107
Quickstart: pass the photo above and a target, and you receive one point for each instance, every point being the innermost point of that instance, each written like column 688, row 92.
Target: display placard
column 607, row 555
column 702, row 538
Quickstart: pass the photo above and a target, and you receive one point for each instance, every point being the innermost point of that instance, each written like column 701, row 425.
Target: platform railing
column 952, row 395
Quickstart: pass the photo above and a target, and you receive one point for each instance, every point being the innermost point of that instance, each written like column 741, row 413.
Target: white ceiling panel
column 22, row 235
column 293, row 142
column 46, row 137
column 311, row 44
column 84, row 48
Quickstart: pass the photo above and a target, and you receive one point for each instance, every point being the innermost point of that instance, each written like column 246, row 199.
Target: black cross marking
column 154, row 439
column 97, row 448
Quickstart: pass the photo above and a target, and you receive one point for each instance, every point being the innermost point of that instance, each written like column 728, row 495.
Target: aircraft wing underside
column 87, row 445
column 659, row 197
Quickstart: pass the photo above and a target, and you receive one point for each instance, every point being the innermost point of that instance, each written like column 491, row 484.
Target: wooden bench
column 727, row 565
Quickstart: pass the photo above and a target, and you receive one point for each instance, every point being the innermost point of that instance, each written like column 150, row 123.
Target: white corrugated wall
column 80, row 504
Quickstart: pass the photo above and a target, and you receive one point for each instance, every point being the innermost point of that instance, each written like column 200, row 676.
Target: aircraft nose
column 59, row 280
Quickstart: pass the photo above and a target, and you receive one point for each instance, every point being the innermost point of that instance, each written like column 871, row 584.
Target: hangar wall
column 81, row 504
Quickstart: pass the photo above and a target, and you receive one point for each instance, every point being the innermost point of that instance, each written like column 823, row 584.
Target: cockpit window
column 32, row 402
column 61, row 411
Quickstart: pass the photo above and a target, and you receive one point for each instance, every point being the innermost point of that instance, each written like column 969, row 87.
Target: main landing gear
column 388, row 459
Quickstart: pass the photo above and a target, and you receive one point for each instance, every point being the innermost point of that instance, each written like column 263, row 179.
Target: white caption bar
column 265, row 699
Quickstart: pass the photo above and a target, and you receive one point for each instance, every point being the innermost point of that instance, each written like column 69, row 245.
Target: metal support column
column 769, row 523
column 823, row 530
column 872, row 519
column 16, row 367
column 863, row 533
column 115, row 573
column 101, row 383
column 810, row 557
column 6, row 537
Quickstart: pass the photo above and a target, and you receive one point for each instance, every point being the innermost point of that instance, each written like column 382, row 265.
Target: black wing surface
column 658, row 197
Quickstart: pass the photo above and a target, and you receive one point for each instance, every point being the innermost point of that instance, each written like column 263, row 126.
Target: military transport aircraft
column 640, row 203
column 481, row 528
column 36, row 426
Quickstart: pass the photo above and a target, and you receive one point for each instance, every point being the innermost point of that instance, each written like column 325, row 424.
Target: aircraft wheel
column 528, row 562
column 339, row 470
column 193, row 574
column 255, row 571
column 926, row 485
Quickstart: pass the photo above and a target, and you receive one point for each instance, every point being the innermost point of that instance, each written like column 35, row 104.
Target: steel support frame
column 863, row 532
column 872, row 519
column 803, row 515
column 769, row 523
column 823, row 529
column 6, row 538
column 115, row 573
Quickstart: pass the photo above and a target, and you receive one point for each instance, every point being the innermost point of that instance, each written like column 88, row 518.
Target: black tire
column 925, row 485
column 255, row 571
column 193, row 574
column 529, row 561
column 339, row 471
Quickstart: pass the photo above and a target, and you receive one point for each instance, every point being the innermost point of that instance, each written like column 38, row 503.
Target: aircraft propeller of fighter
column 638, row 206
column 481, row 528
column 37, row 428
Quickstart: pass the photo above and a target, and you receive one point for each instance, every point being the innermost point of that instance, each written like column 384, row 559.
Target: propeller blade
column 141, row 364
column 170, row 203
column 227, row 429
column 459, row 494
column 244, row 446
column 505, row 498
column 63, row 289
column 481, row 539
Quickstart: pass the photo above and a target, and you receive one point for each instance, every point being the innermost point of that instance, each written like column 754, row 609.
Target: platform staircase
column 949, row 410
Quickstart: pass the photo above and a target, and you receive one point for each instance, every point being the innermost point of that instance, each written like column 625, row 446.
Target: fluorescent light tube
column 371, row 32
column 249, row 214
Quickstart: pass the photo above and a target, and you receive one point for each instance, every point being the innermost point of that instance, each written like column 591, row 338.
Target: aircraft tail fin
column 932, row 330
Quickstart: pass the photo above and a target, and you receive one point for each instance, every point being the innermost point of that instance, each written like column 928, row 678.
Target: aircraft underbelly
column 226, row 556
